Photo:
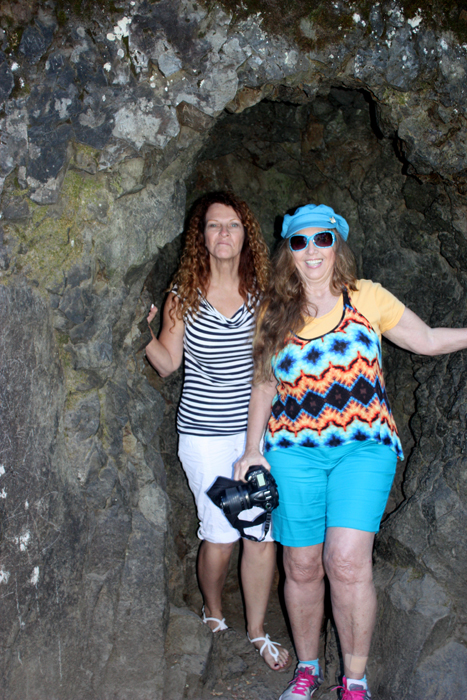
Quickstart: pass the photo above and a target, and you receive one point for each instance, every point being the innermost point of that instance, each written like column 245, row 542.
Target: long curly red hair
column 194, row 272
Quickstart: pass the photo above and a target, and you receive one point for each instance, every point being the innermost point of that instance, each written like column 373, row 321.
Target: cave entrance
column 280, row 154
column 283, row 153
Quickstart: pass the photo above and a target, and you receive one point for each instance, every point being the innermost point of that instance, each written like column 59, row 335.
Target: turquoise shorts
column 321, row 487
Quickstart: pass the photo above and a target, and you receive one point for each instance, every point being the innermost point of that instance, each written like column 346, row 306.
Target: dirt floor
column 238, row 672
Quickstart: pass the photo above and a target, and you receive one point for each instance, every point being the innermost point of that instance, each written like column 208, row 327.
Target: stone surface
column 35, row 41
column 7, row 81
column 78, row 540
column 113, row 121
column 453, row 658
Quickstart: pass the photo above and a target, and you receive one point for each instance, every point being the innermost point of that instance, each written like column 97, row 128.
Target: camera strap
column 216, row 492
column 241, row 525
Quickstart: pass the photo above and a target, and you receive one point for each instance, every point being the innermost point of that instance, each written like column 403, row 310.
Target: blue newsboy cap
column 312, row 215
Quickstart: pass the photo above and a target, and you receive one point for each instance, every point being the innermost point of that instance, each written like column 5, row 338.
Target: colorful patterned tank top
column 331, row 389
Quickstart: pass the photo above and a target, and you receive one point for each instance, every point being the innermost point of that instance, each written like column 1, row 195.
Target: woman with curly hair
column 330, row 439
column 208, row 320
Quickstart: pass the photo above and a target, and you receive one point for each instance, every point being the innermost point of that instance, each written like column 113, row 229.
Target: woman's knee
column 221, row 550
column 258, row 550
column 345, row 566
column 303, row 566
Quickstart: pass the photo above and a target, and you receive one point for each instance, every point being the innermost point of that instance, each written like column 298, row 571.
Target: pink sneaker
column 303, row 684
column 354, row 691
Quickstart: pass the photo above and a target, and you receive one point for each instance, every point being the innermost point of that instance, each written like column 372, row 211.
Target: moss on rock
column 52, row 240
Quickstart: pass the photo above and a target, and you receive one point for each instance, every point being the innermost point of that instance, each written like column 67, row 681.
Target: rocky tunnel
column 330, row 148
column 112, row 126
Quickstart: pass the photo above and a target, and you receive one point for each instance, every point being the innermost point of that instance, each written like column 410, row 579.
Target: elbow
column 426, row 351
column 430, row 348
column 161, row 371
column 164, row 372
column 432, row 345
column 161, row 359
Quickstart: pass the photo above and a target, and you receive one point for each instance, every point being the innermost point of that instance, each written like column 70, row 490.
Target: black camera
column 233, row 497
column 259, row 490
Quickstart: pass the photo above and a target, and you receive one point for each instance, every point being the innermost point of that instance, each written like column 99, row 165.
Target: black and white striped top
column 218, row 372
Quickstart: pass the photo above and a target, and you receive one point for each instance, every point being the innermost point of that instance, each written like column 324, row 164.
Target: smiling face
column 315, row 265
column 223, row 232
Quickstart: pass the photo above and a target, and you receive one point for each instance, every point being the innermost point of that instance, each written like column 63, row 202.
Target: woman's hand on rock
column 152, row 314
column 150, row 318
column 249, row 459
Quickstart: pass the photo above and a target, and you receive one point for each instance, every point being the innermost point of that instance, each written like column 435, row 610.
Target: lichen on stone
column 52, row 242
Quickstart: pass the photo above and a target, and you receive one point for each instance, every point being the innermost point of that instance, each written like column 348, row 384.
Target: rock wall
column 113, row 120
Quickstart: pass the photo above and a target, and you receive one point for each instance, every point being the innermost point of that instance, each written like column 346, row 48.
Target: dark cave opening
column 279, row 155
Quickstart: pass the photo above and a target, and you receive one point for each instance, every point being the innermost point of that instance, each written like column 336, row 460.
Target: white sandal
column 273, row 650
column 269, row 644
column 220, row 623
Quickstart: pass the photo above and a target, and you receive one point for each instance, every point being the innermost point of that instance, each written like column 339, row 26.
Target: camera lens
column 235, row 500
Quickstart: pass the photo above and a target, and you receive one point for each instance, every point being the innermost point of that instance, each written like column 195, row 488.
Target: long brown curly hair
column 194, row 272
column 284, row 307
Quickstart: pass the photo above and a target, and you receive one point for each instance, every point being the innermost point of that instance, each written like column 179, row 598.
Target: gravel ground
column 238, row 672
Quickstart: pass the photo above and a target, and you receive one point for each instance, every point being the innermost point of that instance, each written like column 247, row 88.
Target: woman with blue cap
column 330, row 438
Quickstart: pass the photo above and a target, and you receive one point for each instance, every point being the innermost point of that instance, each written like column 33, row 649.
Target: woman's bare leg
column 304, row 597
column 213, row 565
column 257, row 570
column 348, row 564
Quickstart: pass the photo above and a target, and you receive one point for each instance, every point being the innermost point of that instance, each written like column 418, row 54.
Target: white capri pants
column 204, row 458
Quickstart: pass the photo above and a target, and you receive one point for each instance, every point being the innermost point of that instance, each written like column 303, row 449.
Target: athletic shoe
column 354, row 691
column 303, row 684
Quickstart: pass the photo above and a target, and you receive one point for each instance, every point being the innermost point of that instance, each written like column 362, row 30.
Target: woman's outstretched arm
column 411, row 333
column 258, row 416
column 166, row 352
